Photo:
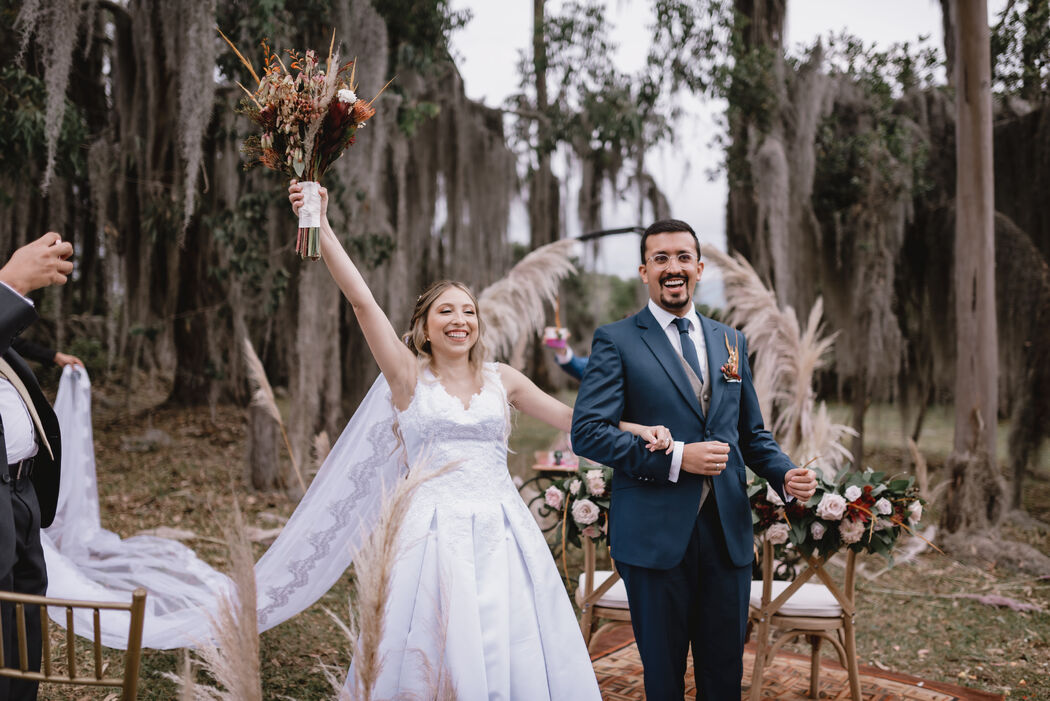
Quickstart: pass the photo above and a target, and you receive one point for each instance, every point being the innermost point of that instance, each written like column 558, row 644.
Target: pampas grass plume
column 514, row 306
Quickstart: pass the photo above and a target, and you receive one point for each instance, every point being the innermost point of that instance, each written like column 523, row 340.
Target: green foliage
column 248, row 258
column 23, row 145
column 1021, row 49
column 869, row 140
column 371, row 250
column 418, row 31
column 412, row 114
column 694, row 44
column 592, row 105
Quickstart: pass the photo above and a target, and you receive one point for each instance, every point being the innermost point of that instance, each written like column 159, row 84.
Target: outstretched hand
column 295, row 196
column 39, row 264
column 800, row 483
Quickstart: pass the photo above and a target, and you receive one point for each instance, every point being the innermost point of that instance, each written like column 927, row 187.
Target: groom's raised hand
column 705, row 458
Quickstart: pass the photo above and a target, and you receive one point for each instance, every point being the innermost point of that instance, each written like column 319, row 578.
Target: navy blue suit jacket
column 575, row 366
column 635, row 374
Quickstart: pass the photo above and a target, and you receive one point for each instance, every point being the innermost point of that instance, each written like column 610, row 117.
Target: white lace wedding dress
column 475, row 591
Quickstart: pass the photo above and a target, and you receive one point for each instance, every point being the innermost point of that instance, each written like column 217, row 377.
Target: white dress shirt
column 666, row 321
column 19, row 434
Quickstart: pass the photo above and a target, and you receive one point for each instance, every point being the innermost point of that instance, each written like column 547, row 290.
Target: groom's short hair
column 668, row 226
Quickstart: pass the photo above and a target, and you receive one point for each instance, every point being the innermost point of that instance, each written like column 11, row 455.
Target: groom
column 680, row 525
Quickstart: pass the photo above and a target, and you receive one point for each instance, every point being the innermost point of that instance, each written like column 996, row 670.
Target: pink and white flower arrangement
column 553, row 497
column 865, row 511
column 584, row 504
column 595, row 483
column 777, row 534
column 585, row 512
column 850, row 530
column 831, row 507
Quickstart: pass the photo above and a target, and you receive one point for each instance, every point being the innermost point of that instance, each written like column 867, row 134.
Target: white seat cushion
column 811, row 599
column 616, row 597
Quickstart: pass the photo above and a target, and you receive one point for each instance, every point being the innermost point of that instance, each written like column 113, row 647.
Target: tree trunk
column 975, row 496
column 263, row 469
column 543, row 188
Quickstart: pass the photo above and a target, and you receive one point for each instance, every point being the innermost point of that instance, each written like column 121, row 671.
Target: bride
column 475, row 589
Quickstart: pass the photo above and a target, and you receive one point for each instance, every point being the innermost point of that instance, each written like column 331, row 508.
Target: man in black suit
column 30, row 438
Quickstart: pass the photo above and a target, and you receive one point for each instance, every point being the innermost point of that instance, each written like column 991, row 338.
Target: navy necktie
column 688, row 349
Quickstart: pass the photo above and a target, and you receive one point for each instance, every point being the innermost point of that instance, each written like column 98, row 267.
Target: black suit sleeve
column 33, row 351
column 15, row 315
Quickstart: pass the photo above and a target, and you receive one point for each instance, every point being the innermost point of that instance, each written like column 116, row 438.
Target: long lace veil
column 314, row 549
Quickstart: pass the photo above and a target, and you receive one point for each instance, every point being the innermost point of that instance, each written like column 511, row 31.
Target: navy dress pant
column 702, row 602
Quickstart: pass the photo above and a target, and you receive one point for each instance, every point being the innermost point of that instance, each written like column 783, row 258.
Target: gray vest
column 704, row 395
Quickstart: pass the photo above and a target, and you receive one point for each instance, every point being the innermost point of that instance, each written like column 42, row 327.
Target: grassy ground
column 912, row 618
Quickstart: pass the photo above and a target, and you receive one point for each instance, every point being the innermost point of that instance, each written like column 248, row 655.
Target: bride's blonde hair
column 416, row 338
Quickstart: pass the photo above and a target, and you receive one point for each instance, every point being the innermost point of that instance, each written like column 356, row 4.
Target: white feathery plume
column 373, row 564
column 786, row 359
column 231, row 656
column 262, row 396
column 514, row 306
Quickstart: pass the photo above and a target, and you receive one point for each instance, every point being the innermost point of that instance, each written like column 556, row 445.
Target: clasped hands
column 710, row 458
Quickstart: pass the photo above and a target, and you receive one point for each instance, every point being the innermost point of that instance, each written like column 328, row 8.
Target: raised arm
column 396, row 361
column 526, row 397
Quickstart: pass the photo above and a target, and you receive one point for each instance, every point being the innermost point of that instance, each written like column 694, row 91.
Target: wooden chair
column 801, row 608
column 135, row 609
column 600, row 594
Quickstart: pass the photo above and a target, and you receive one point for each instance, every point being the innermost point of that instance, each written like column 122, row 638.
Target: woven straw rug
column 619, row 673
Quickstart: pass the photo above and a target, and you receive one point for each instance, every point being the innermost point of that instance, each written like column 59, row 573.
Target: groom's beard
column 675, row 298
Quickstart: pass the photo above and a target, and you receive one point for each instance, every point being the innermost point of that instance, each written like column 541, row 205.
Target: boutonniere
column 731, row 368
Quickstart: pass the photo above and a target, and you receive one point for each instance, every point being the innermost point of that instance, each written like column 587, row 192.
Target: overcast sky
column 487, row 52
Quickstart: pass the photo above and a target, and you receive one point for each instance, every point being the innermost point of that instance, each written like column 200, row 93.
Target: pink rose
column 777, row 533
column 915, row 512
column 831, row 507
column 585, row 512
column 595, row 483
column 817, row 530
column 591, row 531
column 884, row 507
column 553, row 497
column 851, row 531
column 853, row 493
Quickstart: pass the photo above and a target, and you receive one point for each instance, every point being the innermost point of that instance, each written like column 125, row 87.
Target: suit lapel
column 656, row 339
column 717, row 355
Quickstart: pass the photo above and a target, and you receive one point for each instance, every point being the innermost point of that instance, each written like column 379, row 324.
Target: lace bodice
column 437, row 425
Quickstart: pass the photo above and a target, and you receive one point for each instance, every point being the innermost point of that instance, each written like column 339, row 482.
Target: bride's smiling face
column 452, row 323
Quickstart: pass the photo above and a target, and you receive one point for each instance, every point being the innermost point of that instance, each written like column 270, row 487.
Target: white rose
column 595, row 483
column 817, row 530
column 884, row 507
column 772, row 497
column 851, row 531
column 347, row 96
column 574, row 487
column 777, row 533
column 553, row 497
column 831, row 507
column 585, row 512
column 853, row 493
column 915, row 512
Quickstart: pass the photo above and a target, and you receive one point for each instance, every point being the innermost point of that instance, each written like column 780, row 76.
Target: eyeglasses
column 662, row 260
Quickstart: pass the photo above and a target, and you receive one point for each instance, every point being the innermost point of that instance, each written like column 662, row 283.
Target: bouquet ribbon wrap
column 308, row 244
